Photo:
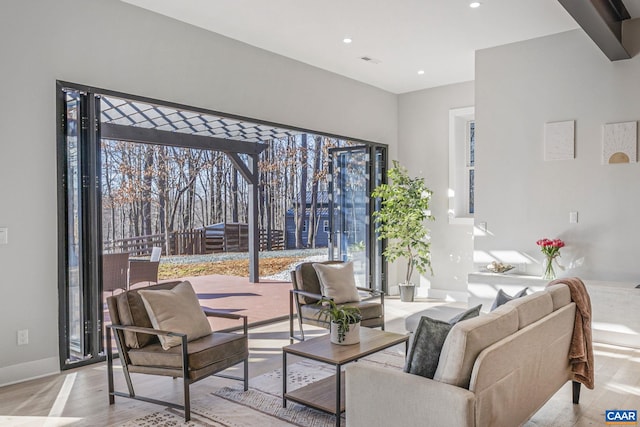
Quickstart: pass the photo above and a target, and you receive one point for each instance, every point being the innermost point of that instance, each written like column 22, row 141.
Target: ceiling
column 402, row 36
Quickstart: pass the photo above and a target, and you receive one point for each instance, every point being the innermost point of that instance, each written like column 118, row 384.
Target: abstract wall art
column 619, row 142
column 559, row 140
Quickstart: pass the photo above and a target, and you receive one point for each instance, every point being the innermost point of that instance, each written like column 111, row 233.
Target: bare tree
column 302, row 192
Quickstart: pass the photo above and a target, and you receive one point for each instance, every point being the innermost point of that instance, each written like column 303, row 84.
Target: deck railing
column 231, row 237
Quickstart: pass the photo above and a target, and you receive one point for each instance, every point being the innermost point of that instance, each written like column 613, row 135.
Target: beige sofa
column 494, row 370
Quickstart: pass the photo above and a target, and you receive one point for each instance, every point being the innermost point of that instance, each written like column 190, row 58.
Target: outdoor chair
column 143, row 271
column 141, row 347
column 307, row 293
column 114, row 272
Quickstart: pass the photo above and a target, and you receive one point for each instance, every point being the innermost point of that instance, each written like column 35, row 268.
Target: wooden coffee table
column 328, row 394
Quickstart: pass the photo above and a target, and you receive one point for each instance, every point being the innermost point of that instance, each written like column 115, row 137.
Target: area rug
column 261, row 405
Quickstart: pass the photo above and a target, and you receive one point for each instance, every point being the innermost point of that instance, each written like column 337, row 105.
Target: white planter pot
column 352, row 336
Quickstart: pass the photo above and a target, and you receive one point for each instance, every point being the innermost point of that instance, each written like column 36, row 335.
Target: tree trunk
column 313, row 215
column 147, row 176
column 302, row 200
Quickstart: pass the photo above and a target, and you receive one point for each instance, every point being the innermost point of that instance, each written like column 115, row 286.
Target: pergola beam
column 178, row 139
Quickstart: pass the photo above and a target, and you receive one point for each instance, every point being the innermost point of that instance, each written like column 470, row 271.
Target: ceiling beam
column 177, row 139
column 602, row 21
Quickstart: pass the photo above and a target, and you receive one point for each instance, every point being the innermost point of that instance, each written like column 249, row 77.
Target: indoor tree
column 404, row 208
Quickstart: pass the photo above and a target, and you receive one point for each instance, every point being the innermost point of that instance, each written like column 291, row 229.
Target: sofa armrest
column 382, row 397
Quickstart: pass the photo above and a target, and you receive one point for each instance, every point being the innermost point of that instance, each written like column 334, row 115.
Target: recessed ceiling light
column 420, row 72
column 347, row 40
column 474, row 4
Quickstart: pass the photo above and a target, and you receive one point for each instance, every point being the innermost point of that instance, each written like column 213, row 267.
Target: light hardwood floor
column 79, row 396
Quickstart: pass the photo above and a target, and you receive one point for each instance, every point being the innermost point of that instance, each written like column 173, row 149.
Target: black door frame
column 376, row 167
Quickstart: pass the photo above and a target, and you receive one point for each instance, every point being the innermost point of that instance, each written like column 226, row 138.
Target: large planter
column 407, row 293
column 352, row 336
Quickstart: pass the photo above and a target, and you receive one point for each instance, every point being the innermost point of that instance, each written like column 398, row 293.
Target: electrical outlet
column 23, row 337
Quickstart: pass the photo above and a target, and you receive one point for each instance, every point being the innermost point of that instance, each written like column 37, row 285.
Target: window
column 462, row 139
column 325, row 225
column 304, row 226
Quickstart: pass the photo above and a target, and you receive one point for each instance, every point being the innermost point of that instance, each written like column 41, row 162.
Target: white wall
column 423, row 135
column 522, row 198
column 112, row 45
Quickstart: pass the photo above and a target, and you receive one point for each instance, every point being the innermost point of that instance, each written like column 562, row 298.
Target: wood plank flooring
column 617, row 386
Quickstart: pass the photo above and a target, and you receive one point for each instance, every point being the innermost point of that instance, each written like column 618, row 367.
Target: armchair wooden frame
column 118, row 332
column 294, row 301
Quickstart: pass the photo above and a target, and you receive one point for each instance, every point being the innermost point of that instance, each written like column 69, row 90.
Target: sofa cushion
column 560, row 295
column 533, row 308
column 467, row 339
column 502, row 298
column 428, row 340
column 176, row 310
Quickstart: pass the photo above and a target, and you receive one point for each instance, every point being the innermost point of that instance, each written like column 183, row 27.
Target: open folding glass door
column 354, row 173
column 80, row 302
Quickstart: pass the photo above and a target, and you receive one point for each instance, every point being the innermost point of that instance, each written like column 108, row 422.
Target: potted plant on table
column 404, row 207
column 345, row 322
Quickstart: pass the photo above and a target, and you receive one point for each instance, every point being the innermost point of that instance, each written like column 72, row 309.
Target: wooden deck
column 261, row 302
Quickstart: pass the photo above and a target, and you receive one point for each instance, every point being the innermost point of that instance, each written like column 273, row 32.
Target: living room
column 517, row 89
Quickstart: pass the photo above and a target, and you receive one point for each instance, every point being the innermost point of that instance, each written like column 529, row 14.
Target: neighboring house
column 322, row 232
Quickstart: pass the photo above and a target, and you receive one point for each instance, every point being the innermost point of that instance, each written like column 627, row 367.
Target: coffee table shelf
column 320, row 395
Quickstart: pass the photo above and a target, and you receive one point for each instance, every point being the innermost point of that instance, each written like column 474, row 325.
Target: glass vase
column 549, row 272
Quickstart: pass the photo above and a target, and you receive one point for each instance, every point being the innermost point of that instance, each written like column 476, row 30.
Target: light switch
column 4, row 236
column 573, row 217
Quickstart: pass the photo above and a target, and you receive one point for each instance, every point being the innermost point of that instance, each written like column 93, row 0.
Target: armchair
column 140, row 351
column 307, row 292
column 143, row 271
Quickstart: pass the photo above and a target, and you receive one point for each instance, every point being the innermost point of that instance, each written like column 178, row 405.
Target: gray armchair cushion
column 428, row 340
column 368, row 310
column 208, row 350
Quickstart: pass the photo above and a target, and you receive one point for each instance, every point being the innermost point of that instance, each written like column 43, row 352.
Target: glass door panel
column 74, row 292
column 349, row 209
column 78, row 199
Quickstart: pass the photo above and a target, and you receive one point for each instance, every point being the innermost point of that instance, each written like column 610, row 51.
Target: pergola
column 241, row 140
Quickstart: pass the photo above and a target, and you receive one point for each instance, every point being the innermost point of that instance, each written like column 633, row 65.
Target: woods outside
column 156, row 190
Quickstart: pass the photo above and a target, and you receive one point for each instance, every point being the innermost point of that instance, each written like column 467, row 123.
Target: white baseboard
column 447, row 295
column 28, row 371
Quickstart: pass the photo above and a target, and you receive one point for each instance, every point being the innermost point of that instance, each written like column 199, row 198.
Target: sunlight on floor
column 16, row 421
column 63, row 396
column 623, row 388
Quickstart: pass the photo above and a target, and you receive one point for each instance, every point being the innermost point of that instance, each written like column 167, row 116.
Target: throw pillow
column 337, row 281
column 503, row 298
column 428, row 340
column 176, row 310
